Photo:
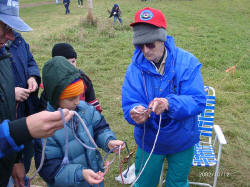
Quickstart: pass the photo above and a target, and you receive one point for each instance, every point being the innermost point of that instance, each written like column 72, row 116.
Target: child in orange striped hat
column 83, row 166
column 70, row 97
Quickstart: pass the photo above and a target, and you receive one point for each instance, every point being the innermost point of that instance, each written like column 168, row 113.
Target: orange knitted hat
column 74, row 89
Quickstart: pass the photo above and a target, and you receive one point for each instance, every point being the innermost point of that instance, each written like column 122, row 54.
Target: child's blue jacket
column 181, row 84
column 70, row 175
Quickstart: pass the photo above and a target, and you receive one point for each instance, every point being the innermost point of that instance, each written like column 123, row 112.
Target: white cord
column 86, row 129
column 134, row 109
column 42, row 159
column 138, row 176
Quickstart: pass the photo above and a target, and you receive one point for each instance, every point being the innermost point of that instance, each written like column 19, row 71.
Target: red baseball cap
column 151, row 16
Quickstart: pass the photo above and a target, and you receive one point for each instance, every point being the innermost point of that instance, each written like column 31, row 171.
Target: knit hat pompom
column 65, row 50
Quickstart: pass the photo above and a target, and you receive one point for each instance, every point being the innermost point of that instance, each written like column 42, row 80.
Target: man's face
column 152, row 51
column 5, row 34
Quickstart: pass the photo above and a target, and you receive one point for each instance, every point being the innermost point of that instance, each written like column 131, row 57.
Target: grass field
column 217, row 32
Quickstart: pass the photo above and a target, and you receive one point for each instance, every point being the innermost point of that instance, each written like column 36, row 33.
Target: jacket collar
column 16, row 41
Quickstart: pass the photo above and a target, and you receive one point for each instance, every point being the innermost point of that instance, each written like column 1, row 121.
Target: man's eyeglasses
column 148, row 45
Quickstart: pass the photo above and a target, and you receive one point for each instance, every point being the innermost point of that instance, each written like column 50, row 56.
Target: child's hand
column 91, row 177
column 116, row 143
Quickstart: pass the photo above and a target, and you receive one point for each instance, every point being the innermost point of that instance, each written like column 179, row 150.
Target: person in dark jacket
column 116, row 12
column 66, row 4
column 67, row 51
column 162, row 94
column 27, row 78
column 63, row 86
column 15, row 132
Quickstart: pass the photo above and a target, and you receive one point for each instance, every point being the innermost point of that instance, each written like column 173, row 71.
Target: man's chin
column 149, row 58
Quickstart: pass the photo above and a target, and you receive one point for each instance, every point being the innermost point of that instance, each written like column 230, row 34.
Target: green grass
column 216, row 32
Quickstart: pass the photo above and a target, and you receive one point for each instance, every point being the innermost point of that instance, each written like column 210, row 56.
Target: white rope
column 138, row 176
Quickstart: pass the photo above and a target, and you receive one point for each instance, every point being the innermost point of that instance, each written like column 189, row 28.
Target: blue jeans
column 66, row 5
column 179, row 165
column 80, row 2
column 117, row 17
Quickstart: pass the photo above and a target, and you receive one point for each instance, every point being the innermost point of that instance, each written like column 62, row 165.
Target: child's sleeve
column 102, row 133
column 69, row 175
column 53, row 172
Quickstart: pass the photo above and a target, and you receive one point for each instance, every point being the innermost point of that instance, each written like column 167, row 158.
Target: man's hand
column 18, row 174
column 140, row 114
column 21, row 94
column 44, row 124
column 116, row 143
column 91, row 177
column 159, row 105
column 32, row 84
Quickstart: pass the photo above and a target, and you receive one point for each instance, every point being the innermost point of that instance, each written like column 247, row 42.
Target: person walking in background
column 58, row 1
column 27, row 78
column 116, row 12
column 82, row 166
column 66, row 4
column 67, row 51
column 162, row 94
column 80, row 3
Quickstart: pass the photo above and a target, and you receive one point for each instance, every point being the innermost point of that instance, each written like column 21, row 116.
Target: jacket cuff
column 78, row 175
column 19, row 158
column 19, row 131
column 107, row 142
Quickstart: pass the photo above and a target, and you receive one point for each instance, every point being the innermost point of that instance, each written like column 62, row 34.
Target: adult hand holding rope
column 44, row 124
column 140, row 114
column 158, row 105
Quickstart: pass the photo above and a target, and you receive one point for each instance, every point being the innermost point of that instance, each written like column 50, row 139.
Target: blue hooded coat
column 24, row 66
column 58, row 73
column 181, row 84
column 57, row 174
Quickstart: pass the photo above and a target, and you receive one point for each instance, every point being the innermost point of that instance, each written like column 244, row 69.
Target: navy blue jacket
column 13, row 132
column 24, row 66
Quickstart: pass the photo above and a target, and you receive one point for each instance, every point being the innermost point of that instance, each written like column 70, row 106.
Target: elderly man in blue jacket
column 162, row 90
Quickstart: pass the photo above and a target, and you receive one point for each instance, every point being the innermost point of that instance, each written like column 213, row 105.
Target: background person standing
column 80, row 3
column 66, row 4
column 116, row 12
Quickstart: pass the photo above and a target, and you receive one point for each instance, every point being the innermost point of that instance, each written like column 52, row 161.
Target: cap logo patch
column 146, row 15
